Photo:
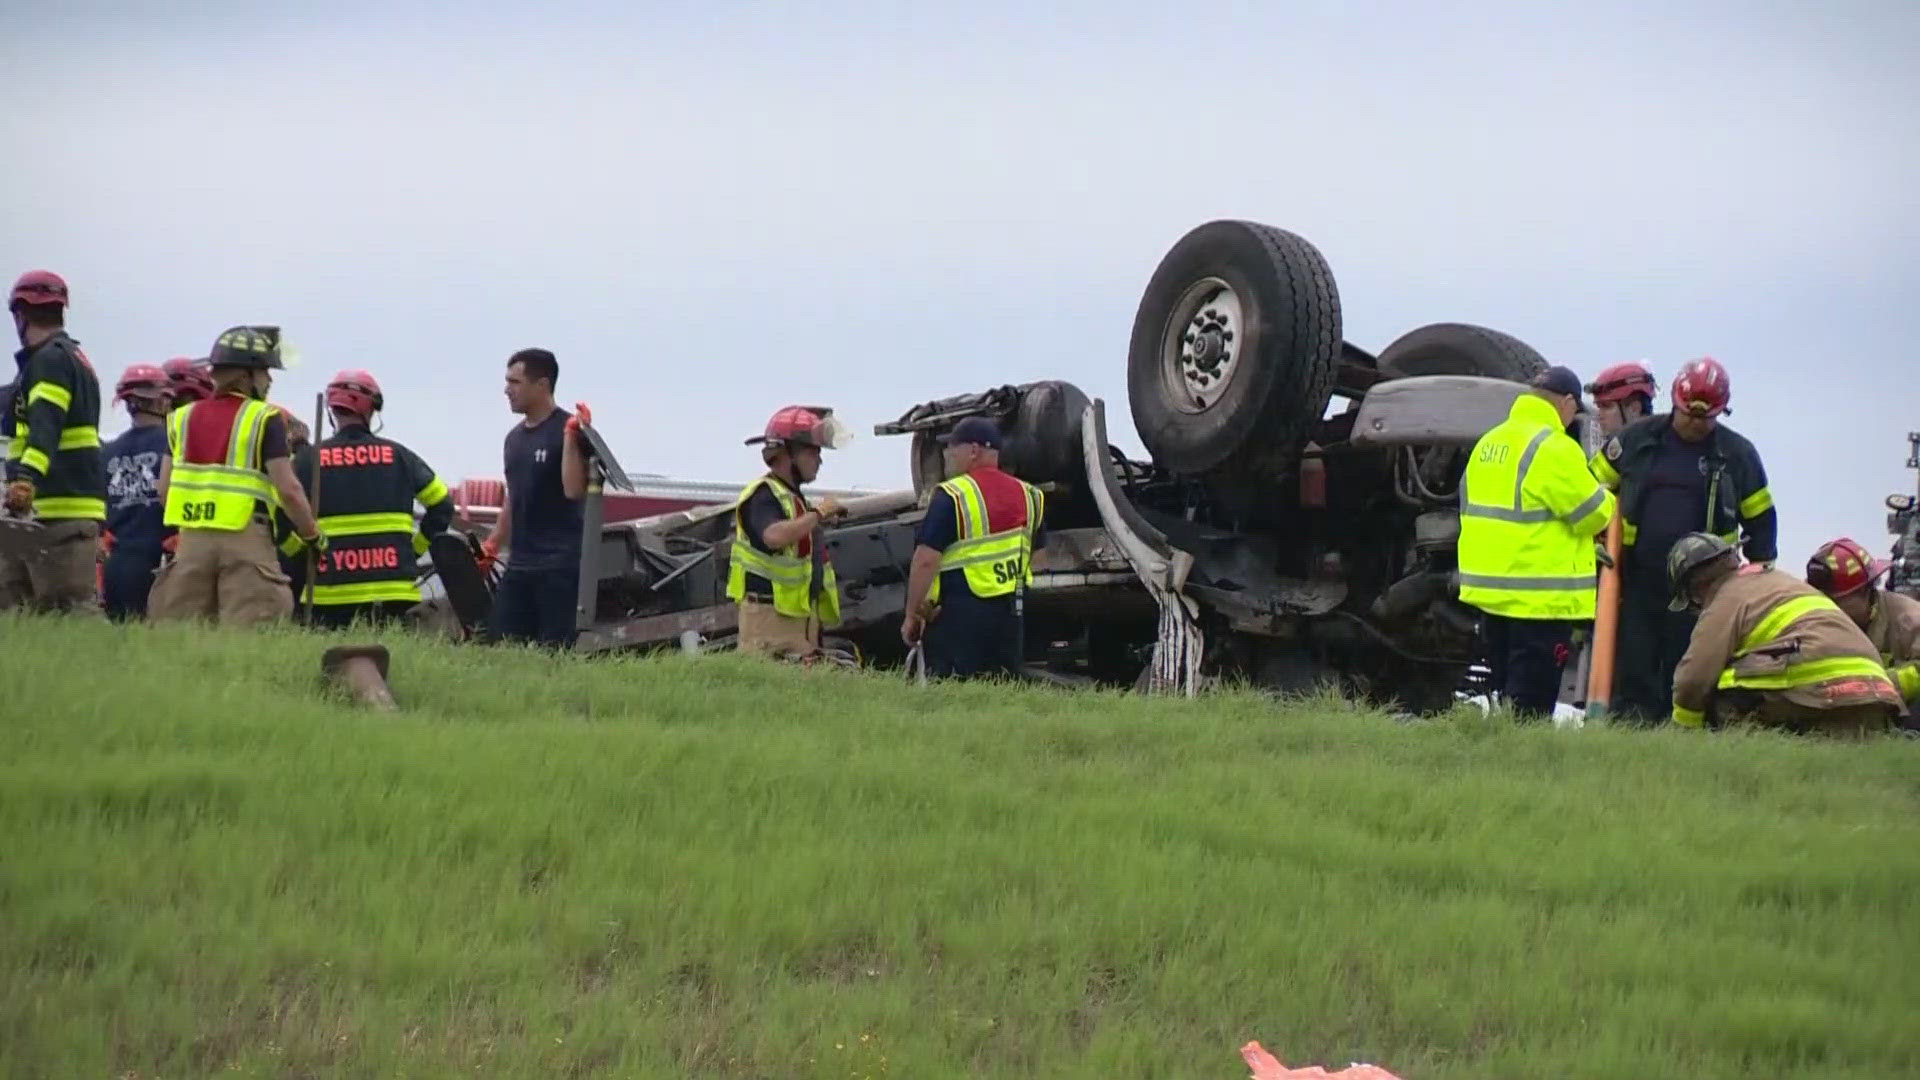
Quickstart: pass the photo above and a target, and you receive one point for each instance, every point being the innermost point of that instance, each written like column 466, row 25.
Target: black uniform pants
column 341, row 616
column 973, row 637
column 125, row 581
column 1651, row 641
column 1525, row 658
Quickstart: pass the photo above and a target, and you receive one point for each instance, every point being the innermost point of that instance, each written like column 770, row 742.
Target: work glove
column 490, row 552
column 1600, row 555
column 318, row 541
column 829, row 508
column 106, row 546
column 581, row 416
column 19, row 498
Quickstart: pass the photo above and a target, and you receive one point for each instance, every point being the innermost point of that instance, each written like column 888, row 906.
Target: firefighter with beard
column 368, row 571
column 54, row 473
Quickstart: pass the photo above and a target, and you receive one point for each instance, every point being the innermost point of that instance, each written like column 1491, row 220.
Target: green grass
column 712, row 867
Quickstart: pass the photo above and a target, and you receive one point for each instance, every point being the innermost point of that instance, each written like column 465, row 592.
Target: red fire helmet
column 1702, row 388
column 38, row 287
column 1622, row 381
column 804, row 425
column 355, row 391
column 146, row 382
column 1842, row 566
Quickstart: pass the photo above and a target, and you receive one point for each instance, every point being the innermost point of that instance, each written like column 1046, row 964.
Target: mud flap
column 467, row 589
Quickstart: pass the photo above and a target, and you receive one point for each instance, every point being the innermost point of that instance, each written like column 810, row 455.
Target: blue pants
column 973, row 637
column 535, row 605
column 126, row 580
column 1526, row 658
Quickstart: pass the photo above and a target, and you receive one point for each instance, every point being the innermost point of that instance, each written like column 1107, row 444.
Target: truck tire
column 1234, row 350
column 1460, row 349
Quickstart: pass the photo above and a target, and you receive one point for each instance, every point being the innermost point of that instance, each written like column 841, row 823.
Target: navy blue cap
column 975, row 430
column 1559, row 380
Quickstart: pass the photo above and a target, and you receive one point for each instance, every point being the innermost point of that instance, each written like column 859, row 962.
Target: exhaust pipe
column 361, row 671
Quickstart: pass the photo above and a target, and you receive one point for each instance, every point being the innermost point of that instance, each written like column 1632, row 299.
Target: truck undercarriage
column 1295, row 524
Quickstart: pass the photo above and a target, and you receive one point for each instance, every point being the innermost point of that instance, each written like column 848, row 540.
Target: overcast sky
column 711, row 210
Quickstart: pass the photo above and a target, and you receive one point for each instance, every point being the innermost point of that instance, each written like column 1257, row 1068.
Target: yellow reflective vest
column 995, row 563
column 1529, row 510
column 219, row 497
column 790, row 574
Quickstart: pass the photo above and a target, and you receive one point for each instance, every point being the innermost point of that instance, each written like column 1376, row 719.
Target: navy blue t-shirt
column 1676, row 499
column 134, row 510
column 546, row 524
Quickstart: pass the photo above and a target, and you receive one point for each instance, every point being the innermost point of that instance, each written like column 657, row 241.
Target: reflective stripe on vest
column 220, row 497
column 1517, row 560
column 790, row 575
column 995, row 563
column 389, row 531
column 1775, row 625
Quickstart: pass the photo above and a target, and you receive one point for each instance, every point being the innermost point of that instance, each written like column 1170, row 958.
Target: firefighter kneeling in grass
column 366, row 512
column 227, row 467
column 1769, row 649
column 777, row 571
column 1843, row 570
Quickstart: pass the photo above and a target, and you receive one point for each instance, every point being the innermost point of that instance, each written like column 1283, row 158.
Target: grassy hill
column 711, row 867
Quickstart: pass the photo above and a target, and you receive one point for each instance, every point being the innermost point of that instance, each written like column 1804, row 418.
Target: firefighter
column 187, row 380
column 228, row 464
column 1843, row 570
column 973, row 560
column 777, row 570
column 54, row 472
column 1769, row 649
column 136, row 535
column 1529, row 512
column 1623, row 394
column 366, row 512
column 1666, row 468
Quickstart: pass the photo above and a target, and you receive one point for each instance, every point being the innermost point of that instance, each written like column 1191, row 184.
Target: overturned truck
column 1295, row 525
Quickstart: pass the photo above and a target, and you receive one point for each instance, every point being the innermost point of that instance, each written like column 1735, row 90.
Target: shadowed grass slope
column 679, row 867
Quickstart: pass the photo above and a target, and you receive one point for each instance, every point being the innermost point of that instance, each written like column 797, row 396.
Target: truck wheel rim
column 1201, row 350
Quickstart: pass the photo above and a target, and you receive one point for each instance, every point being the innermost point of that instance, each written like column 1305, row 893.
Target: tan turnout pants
column 769, row 633
column 58, row 577
column 229, row 578
column 1765, row 709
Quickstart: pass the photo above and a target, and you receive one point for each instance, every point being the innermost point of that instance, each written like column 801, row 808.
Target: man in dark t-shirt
column 540, row 524
column 136, row 533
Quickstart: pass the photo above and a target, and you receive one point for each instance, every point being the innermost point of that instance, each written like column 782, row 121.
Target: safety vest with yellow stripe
column 66, row 469
column 788, row 572
column 1529, row 509
column 995, row 563
column 1774, row 626
column 221, row 497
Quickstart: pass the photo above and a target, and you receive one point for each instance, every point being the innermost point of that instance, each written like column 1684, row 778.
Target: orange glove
column 106, row 545
column 581, row 415
column 490, row 549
